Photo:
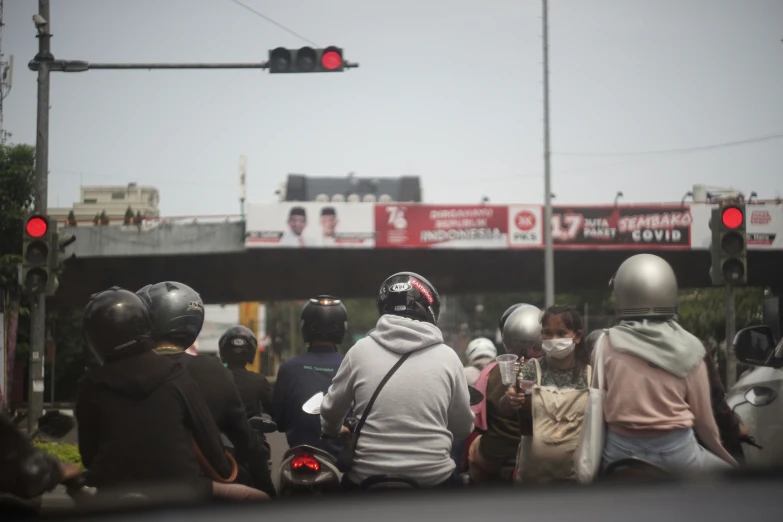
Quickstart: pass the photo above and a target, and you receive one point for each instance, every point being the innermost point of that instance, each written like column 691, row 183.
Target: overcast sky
column 447, row 90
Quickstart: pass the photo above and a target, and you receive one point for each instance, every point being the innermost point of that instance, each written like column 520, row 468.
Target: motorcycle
column 309, row 470
column 636, row 470
column 263, row 425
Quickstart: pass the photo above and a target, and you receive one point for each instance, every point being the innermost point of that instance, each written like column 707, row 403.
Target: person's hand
column 515, row 399
column 743, row 431
column 70, row 470
column 345, row 432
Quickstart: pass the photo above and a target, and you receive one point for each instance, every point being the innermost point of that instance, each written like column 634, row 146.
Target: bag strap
column 377, row 391
column 538, row 371
column 598, row 360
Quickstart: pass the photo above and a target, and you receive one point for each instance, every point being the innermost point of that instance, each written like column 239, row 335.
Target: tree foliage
column 17, row 187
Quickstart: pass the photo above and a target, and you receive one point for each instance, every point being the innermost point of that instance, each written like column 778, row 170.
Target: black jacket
column 254, row 390
column 297, row 381
column 138, row 419
column 220, row 393
column 26, row 471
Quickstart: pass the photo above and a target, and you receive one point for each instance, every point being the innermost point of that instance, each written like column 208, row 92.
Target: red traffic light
column 731, row 217
column 36, row 226
column 331, row 59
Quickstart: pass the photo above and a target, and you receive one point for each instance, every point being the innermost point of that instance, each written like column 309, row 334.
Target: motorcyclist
column 237, row 348
column 492, row 454
column 323, row 321
column 140, row 414
column 479, row 353
column 177, row 313
column 657, row 388
column 423, row 406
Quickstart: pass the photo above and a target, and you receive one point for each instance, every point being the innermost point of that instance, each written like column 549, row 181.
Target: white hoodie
column 421, row 409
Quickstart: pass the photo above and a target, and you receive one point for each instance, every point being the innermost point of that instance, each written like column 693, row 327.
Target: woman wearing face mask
column 557, row 398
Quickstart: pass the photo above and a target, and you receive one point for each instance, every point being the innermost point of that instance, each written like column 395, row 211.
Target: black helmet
column 506, row 314
column 324, row 317
column 409, row 295
column 116, row 325
column 177, row 312
column 238, row 346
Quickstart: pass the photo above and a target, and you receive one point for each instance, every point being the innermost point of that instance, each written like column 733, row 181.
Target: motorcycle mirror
column 313, row 404
column 263, row 425
column 475, row 396
column 55, row 425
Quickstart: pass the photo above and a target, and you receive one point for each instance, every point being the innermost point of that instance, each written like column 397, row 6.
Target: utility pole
column 731, row 326
column 242, row 184
column 38, row 311
column 549, row 255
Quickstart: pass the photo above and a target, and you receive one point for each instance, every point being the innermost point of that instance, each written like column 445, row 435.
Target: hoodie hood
column 137, row 376
column 402, row 335
column 664, row 344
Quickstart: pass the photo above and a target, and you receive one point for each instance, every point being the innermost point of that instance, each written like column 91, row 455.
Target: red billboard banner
column 622, row 227
column 441, row 226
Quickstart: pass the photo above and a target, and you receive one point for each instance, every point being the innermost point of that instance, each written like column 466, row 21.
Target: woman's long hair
column 572, row 320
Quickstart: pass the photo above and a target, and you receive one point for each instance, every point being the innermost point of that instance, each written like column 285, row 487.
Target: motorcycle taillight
column 305, row 462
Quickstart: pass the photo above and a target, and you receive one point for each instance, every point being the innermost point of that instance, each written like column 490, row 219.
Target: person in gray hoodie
column 423, row 407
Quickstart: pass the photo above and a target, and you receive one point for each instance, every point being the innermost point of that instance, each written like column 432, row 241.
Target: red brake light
column 731, row 217
column 331, row 60
column 305, row 462
column 36, row 227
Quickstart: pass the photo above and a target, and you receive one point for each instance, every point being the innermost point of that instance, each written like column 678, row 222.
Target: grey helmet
column 522, row 330
column 644, row 286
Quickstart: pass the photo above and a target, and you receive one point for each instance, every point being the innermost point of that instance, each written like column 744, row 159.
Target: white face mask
column 558, row 348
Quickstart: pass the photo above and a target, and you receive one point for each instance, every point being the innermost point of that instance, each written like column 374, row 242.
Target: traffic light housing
column 729, row 247
column 306, row 60
column 57, row 259
column 36, row 245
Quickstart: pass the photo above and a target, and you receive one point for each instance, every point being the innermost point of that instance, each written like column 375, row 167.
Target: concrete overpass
column 212, row 258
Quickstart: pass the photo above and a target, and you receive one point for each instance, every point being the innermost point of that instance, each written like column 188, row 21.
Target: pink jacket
column 480, row 409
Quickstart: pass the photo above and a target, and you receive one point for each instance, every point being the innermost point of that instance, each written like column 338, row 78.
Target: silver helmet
column 522, row 330
column 644, row 286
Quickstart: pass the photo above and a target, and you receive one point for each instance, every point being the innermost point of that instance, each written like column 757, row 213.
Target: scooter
column 306, row 469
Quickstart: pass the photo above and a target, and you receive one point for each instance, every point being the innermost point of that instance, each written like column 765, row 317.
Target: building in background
column 114, row 201
column 299, row 187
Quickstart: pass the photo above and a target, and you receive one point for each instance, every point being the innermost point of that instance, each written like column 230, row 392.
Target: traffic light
column 35, row 254
column 729, row 249
column 57, row 259
column 306, row 60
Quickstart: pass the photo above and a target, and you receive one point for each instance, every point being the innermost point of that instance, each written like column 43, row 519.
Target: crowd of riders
column 150, row 413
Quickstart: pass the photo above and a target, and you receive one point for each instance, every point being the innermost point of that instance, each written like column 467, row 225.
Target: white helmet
column 480, row 348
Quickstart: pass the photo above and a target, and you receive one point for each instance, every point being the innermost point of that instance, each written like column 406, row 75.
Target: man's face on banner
column 297, row 224
column 328, row 224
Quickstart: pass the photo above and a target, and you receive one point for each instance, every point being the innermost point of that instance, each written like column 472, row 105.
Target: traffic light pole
column 38, row 305
column 731, row 326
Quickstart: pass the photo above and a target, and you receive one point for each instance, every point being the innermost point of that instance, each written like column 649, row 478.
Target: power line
column 274, row 22
column 727, row 144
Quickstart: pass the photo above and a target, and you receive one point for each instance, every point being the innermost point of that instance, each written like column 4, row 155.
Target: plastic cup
column 506, row 363
column 526, row 387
